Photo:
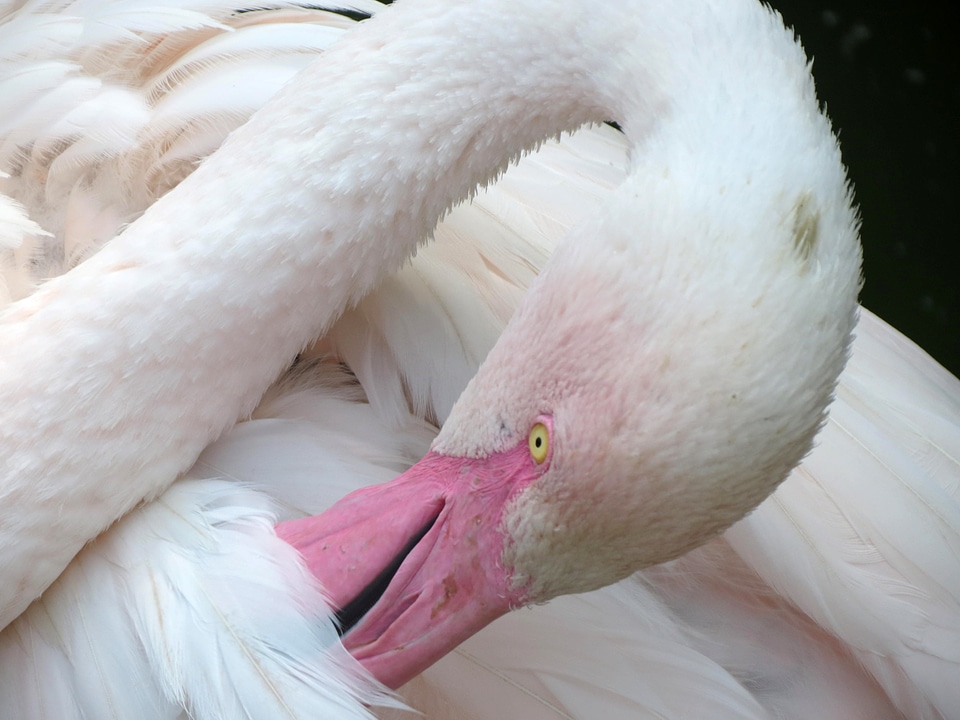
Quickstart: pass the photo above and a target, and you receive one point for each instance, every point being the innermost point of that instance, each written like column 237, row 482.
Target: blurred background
column 889, row 75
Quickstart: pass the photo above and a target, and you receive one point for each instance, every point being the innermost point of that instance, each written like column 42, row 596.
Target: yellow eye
column 539, row 443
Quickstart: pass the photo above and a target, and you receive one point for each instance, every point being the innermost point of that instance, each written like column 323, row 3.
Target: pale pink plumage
column 677, row 640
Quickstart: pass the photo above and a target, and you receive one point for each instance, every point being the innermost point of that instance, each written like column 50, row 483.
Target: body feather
column 837, row 598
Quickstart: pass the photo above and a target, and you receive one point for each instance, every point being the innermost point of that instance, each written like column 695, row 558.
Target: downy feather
column 118, row 633
column 198, row 607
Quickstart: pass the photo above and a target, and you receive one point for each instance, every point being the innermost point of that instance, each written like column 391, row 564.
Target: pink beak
column 415, row 565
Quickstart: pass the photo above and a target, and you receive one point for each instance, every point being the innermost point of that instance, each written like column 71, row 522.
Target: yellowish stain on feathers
column 806, row 226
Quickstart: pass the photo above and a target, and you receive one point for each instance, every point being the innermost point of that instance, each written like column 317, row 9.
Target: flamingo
column 898, row 679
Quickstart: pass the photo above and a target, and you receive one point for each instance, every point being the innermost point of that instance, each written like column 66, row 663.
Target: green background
column 888, row 75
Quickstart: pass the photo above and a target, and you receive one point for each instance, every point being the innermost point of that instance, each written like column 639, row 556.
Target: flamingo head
column 643, row 398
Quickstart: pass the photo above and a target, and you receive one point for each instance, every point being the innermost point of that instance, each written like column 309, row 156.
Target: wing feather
column 864, row 537
column 197, row 605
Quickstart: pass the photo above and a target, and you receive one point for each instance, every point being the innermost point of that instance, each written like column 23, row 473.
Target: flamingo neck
column 115, row 376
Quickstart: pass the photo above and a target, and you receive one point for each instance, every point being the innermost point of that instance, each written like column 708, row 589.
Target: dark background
column 888, row 75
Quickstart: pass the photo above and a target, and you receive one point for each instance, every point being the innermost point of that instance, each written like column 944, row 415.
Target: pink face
column 415, row 565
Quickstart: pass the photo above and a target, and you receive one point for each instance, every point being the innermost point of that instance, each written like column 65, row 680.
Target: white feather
column 192, row 602
column 198, row 607
column 871, row 524
column 16, row 228
column 108, row 138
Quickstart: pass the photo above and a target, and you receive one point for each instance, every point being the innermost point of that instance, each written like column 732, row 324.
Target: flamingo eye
column 539, row 443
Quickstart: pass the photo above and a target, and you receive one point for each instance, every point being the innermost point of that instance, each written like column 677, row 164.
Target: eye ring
column 539, row 441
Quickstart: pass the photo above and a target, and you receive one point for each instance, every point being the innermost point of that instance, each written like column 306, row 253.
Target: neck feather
column 114, row 377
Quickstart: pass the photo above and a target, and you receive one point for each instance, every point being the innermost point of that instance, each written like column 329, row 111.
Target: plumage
column 189, row 607
column 668, row 647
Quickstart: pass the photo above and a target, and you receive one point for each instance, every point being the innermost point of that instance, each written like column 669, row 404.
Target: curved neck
column 115, row 376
